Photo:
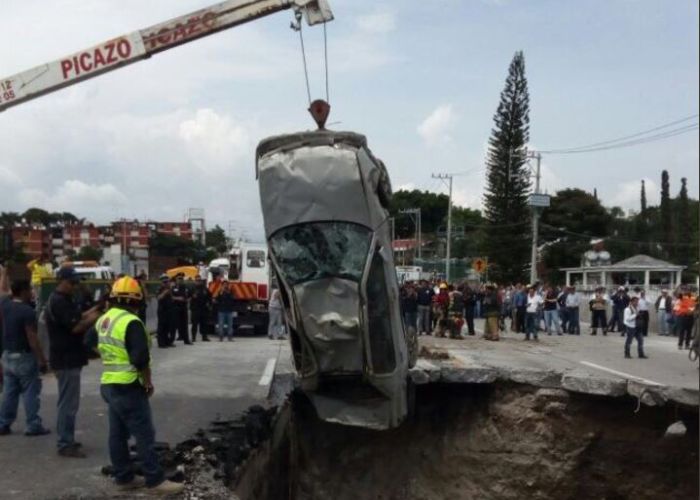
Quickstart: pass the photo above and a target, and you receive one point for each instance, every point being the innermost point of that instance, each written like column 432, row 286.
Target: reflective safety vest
column 111, row 338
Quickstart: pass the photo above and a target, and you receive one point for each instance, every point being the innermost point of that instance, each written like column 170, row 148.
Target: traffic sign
column 539, row 200
column 479, row 265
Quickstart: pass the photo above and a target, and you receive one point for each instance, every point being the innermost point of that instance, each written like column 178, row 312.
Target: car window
column 379, row 318
column 255, row 258
column 318, row 250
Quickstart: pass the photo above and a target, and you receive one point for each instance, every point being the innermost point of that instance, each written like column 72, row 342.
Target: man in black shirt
column 199, row 309
column 469, row 304
column 424, row 300
column 164, row 305
column 22, row 359
column 178, row 311
column 67, row 325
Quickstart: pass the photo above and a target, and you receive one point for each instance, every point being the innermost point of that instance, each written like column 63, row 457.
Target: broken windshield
column 317, row 250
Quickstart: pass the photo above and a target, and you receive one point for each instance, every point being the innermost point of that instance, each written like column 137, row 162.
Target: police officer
column 200, row 302
column 178, row 311
column 164, row 302
column 126, row 386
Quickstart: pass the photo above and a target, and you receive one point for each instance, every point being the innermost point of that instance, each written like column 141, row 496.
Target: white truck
column 248, row 272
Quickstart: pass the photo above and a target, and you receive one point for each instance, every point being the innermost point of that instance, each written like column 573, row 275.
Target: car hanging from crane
column 325, row 200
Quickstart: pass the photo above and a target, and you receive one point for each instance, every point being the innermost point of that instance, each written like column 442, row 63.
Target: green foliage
column 89, row 253
column 433, row 211
column 216, row 238
column 166, row 245
column 37, row 216
column 666, row 232
column 507, row 213
column 572, row 220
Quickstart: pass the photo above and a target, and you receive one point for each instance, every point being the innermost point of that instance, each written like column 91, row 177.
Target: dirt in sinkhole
column 502, row 441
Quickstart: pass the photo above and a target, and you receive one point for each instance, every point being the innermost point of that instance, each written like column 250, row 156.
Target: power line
column 614, row 238
column 447, row 177
column 612, row 142
column 644, row 140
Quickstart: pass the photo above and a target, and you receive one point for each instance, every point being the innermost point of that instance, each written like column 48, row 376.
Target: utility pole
column 447, row 177
column 535, row 217
column 419, row 230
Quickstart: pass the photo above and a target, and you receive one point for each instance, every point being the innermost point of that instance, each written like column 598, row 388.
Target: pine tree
column 507, row 239
column 595, row 193
column 644, row 200
column 666, row 219
column 683, row 249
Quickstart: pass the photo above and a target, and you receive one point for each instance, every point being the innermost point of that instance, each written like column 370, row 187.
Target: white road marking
column 269, row 372
column 621, row 374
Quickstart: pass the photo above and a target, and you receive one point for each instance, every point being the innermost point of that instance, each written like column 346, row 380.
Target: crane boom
column 137, row 45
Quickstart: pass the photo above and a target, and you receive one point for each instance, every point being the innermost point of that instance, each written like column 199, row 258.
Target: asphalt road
column 194, row 385
column 198, row 384
column 597, row 355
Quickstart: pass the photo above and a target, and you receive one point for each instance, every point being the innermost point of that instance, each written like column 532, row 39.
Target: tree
column 89, row 253
column 666, row 218
column 643, row 201
column 507, row 239
column 167, row 245
column 573, row 218
column 433, row 211
column 683, row 217
column 216, row 238
column 37, row 216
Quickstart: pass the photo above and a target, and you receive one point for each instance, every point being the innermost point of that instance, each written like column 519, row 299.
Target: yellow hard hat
column 443, row 286
column 126, row 288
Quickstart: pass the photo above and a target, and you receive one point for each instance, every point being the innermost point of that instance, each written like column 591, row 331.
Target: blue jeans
column 130, row 415
column 21, row 379
column 68, row 405
column 410, row 319
column 225, row 320
column 574, row 326
column 663, row 322
column 634, row 333
column 530, row 325
column 551, row 319
column 424, row 319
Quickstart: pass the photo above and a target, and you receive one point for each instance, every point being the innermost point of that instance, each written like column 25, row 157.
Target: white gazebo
column 642, row 270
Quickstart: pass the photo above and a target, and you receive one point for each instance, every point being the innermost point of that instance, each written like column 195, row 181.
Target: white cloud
column 628, row 194
column 213, row 141
column 9, row 179
column 377, row 22
column 435, row 129
column 76, row 196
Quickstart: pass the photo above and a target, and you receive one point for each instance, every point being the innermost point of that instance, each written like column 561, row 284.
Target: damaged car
column 324, row 200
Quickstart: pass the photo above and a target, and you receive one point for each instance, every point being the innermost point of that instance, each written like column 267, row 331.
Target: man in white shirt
column 534, row 303
column 630, row 319
column 643, row 313
column 573, row 301
column 664, row 308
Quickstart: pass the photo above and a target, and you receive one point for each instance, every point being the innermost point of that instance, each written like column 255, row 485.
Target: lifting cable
column 297, row 25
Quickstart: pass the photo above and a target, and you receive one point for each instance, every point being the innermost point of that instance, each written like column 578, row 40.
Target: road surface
column 194, row 385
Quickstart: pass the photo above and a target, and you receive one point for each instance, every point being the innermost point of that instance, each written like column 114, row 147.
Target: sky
column 421, row 79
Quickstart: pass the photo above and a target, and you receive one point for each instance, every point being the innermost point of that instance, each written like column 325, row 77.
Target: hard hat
column 126, row 288
column 443, row 286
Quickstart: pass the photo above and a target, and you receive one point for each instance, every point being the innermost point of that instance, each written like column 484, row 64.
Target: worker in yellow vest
column 41, row 269
column 126, row 386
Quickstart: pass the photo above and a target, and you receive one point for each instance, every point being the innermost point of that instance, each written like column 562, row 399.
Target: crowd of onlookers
column 444, row 309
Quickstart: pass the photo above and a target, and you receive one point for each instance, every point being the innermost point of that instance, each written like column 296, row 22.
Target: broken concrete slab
column 425, row 372
column 681, row 395
column 676, row 429
column 453, row 373
column 584, row 382
column 537, row 378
